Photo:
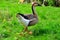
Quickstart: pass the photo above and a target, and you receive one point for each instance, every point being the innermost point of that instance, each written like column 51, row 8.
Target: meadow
column 48, row 27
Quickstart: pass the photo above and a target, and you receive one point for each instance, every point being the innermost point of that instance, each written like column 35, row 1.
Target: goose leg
column 25, row 29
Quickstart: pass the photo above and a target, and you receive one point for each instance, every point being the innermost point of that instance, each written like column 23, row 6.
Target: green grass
column 48, row 27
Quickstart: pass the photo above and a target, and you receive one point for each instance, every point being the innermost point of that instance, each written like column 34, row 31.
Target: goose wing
column 19, row 14
column 27, row 16
column 32, row 18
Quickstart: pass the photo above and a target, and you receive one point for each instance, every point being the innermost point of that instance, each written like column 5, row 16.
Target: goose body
column 28, row 20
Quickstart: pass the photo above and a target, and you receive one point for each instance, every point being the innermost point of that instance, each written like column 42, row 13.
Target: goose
column 28, row 19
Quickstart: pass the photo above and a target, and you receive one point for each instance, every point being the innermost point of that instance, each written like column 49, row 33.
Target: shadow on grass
column 43, row 32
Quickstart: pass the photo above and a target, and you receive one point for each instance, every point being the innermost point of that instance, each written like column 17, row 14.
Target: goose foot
column 22, row 34
column 30, row 32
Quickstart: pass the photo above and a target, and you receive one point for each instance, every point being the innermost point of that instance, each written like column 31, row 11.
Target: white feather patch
column 24, row 21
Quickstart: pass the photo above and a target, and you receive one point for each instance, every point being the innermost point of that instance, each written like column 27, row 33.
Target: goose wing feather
column 29, row 16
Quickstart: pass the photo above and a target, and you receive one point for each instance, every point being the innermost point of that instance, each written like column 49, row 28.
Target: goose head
column 36, row 4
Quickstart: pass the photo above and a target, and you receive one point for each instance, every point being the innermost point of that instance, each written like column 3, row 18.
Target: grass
column 48, row 27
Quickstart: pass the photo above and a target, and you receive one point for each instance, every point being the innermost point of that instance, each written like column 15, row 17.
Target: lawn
column 48, row 27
